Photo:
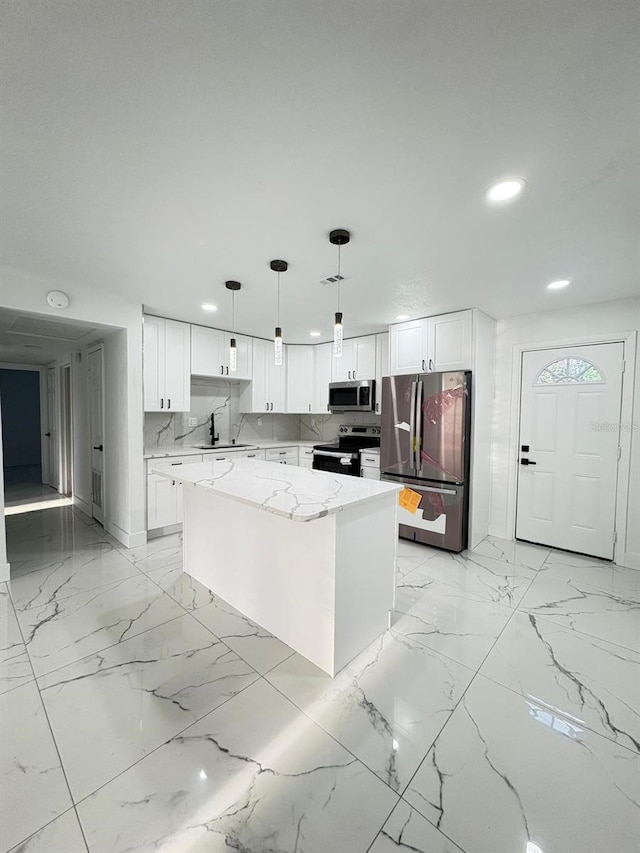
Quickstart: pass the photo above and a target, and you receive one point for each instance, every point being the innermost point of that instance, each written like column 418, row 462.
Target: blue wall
column 20, row 395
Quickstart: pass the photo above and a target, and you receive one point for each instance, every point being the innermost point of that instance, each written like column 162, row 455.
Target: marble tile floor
column 500, row 713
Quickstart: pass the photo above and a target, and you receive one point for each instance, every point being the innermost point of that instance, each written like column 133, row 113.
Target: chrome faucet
column 212, row 430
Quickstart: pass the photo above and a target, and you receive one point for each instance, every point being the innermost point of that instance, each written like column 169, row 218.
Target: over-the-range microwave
column 358, row 396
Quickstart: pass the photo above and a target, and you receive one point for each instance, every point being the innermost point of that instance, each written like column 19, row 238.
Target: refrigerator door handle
column 412, row 421
column 418, row 426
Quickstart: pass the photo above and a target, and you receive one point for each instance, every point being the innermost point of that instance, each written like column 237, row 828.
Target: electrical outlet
column 259, row 421
column 193, row 422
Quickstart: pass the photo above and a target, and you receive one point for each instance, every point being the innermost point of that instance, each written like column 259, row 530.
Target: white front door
column 569, row 438
column 96, row 431
column 50, row 476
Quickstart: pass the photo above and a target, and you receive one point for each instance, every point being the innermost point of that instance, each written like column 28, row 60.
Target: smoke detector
column 334, row 279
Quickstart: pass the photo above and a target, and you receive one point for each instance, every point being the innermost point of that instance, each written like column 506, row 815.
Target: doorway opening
column 26, row 465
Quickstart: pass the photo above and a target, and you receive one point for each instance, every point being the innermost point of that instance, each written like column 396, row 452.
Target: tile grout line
column 55, row 744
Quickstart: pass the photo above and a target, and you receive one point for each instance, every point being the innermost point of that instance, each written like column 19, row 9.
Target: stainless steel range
column 344, row 457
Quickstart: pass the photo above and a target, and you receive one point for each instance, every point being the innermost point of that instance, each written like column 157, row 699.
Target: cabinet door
column 161, row 501
column 244, row 353
column 207, row 351
column 364, row 358
column 450, row 341
column 382, row 365
column 278, row 381
column 300, row 373
column 177, row 370
column 153, row 364
column 322, row 355
column 408, row 347
column 342, row 368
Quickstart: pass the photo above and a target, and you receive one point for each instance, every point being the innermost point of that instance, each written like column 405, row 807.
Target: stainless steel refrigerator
column 425, row 443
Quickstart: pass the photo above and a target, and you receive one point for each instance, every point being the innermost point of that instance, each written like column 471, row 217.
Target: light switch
column 193, row 422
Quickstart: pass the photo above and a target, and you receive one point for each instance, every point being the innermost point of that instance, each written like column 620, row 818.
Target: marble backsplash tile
column 223, row 399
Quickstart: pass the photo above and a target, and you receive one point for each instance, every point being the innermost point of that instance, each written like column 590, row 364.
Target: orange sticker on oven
column 409, row 500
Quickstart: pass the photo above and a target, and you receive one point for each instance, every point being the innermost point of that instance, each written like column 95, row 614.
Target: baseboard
column 164, row 531
column 629, row 560
column 5, row 570
column 83, row 506
column 499, row 531
column 129, row 540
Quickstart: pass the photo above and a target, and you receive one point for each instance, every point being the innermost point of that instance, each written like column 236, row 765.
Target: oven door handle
column 349, row 456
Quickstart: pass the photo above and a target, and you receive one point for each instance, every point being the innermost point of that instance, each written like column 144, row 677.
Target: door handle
column 527, row 462
column 430, row 364
column 162, row 402
column 221, row 369
column 99, row 447
column 48, row 434
column 227, row 373
column 169, row 403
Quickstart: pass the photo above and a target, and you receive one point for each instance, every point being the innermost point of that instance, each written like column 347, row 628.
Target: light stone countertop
column 179, row 450
column 295, row 493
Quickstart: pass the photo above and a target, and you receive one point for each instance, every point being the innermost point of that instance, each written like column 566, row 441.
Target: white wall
column 23, row 292
column 587, row 322
column 4, row 565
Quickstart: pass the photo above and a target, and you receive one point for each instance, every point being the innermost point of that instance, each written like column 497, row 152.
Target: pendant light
column 339, row 237
column 278, row 267
column 233, row 286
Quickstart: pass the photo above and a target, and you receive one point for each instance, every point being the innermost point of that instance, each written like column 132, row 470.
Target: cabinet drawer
column 370, row 460
column 282, row 454
column 174, row 461
column 306, row 453
column 251, row 454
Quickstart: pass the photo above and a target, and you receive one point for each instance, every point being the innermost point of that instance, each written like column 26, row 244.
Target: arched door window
column 569, row 370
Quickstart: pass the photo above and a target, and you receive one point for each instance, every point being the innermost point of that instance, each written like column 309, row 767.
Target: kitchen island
column 310, row 556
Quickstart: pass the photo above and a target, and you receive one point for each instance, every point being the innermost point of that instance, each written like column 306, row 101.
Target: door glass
column 569, row 369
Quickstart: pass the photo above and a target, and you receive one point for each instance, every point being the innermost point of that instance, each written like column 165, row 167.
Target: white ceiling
column 159, row 148
column 33, row 339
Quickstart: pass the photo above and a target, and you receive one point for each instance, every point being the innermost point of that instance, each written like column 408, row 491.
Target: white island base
column 324, row 587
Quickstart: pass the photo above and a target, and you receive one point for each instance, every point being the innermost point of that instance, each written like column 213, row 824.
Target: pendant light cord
column 339, row 279
column 233, row 311
column 278, row 302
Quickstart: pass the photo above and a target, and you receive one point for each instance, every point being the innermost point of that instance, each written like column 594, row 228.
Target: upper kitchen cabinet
column 167, row 365
column 408, row 349
column 382, row 365
column 358, row 360
column 267, row 391
column 322, row 358
column 438, row 343
column 210, row 354
column 300, row 375
column 450, row 338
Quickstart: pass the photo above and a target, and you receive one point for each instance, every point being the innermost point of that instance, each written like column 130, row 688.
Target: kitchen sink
column 221, row 446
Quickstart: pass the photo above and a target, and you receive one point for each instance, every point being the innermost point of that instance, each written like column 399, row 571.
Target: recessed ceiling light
column 209, row 307
column 402, row 317
column 505, row 190
column 314, row 334
column 558, row 285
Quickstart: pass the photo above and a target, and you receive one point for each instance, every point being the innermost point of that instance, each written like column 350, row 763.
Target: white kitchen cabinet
column 358, row 360
column 382, row 366
column 210, row 353
column 267, row 391
column 300, row 375
column 283, row 455
column 167, row 365
column 444, row 342
column 305, row 456
column 369, row 465
column 322, row 356
column 165, row 497
column 408, row 347
column 450, row 339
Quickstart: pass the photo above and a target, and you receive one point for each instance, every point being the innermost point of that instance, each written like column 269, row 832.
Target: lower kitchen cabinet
column 164, row 497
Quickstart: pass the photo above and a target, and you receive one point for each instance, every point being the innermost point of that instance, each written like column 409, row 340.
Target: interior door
column 96, row 430
column 569, row 438
column 50, row 476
